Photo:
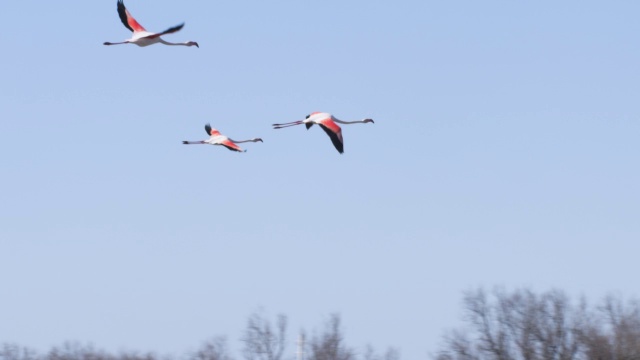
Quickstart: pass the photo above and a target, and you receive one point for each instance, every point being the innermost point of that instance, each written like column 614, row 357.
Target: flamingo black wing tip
column 335, row 138
column 174, row 29
column 122, row 12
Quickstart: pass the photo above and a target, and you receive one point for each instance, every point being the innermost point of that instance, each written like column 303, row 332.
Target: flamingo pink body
column 141, row 36
column 328, row 123
column 219, row 139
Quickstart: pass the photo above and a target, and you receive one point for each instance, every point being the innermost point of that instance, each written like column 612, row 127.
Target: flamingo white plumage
column 328, row 123
column 219, row 139
column 141, row 36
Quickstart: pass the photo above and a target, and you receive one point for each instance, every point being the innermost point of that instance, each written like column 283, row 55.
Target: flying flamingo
column 141, row 36
column 328, row 123
column 219, row 139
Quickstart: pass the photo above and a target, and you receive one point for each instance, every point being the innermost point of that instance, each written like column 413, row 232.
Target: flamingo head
column 193, row 43
column 368, row 121
column 257, row 139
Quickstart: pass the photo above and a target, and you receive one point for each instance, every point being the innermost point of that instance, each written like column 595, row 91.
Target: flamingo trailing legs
column 141, row 36
column 328, row 123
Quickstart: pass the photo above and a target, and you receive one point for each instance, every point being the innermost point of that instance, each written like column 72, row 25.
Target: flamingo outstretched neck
column 363, row 121
column 244, row 141
column 186, row 43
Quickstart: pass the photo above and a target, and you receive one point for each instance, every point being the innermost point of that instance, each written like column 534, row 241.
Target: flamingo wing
column 211, row 131
column 168, row 31
column 230, row 145
column 128, row 20
column 335, row 133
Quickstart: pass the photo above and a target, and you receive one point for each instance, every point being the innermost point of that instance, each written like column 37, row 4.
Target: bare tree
column 329, row 345
column 262, row 341
column 214, row 349
column 77, row 351
column 520, row 325
column 615, row 333
column 390, row 354
column 134, row 355
column 15, row 352
column 523, row 325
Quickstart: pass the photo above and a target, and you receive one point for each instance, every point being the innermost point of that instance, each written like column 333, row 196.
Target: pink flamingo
column 141, row 36
column 219, row 139
column 328, row 123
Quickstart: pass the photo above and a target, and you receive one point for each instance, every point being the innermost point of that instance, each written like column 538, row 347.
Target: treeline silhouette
column 524, row 325
column 497, row 325
column 262, row 339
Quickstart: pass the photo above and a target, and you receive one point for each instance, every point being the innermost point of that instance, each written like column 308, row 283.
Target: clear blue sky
column 505, row 153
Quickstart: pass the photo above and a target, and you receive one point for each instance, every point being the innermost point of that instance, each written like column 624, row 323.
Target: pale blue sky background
column 505, row 153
